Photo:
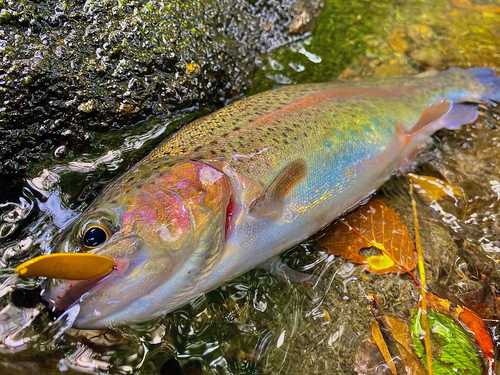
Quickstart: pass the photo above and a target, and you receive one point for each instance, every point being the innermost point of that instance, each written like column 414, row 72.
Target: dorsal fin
column 270, row 203
column 431, row 114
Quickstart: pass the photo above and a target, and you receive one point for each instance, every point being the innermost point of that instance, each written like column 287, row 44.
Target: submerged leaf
column 401, row 334
column 471, row 320
column 372, row 225
column 447, row 199
column 477, row 326
column 382, row 346
column 434, row 189
column 452, row 350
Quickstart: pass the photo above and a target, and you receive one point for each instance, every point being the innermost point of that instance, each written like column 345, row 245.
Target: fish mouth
column 61, row 294
column 68, row 292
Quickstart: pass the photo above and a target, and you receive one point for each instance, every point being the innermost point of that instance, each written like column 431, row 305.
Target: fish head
column 164, row 225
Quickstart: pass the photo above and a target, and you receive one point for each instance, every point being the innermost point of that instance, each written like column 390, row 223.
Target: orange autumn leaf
column 477, row 326
column 372, row 225
column 473, row 322
column 439, row 304
column 400, row 332
column 382, row 346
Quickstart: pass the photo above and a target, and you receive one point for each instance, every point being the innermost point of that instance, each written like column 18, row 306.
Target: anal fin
column 269, row 205
column 433, row 113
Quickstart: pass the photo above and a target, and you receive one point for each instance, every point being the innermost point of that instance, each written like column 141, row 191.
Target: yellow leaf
column 423, row 293
column 402, row 336
column 380, row 262
column 69, row 266
column 434, row 189
column 379, row 340
column 372, row 225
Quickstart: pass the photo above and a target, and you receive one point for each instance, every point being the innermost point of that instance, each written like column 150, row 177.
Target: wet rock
column 73, row 67
column 301, row 22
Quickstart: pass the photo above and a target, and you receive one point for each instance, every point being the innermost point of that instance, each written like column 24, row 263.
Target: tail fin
column 491, row 83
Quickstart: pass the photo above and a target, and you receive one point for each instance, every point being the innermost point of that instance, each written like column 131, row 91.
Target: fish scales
column 234, row 189
column 303, row 116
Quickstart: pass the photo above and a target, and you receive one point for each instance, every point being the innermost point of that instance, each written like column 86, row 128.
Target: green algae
column 340, row 37
column 385, row 38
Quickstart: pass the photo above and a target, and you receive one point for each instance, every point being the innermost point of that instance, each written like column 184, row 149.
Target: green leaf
column 453, row 351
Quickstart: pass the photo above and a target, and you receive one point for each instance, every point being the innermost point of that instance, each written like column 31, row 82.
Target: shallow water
column 259, row 324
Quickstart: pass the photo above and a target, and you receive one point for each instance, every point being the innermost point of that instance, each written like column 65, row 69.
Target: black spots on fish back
column 213, row 152
column 236, row 128
column 198, row 148
column 225, row 135
column 214, row 142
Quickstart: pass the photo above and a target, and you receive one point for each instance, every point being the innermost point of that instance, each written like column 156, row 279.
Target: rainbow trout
column 236, row 188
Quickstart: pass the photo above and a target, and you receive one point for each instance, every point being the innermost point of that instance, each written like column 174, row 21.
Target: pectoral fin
column 270, row 203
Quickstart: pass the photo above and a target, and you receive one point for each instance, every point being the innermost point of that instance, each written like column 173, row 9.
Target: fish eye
column 94, row 236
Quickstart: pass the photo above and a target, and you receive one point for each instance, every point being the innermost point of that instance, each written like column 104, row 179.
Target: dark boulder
column 72, row 68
